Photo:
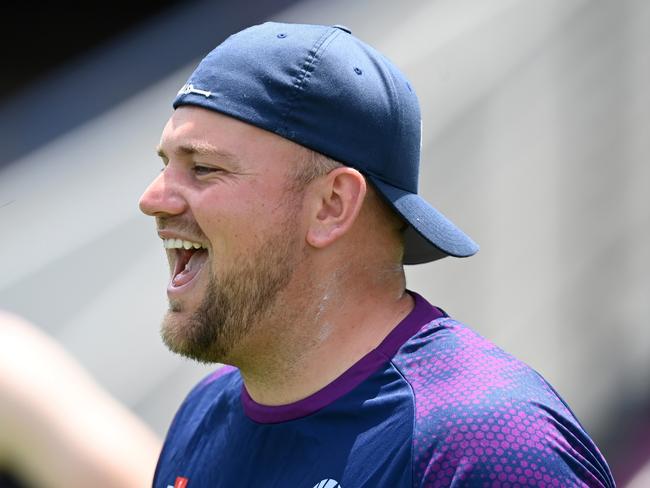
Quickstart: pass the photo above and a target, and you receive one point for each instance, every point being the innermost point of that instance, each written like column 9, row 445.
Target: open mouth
column 189, row 260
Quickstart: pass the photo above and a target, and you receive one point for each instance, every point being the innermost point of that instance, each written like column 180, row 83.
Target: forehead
column 204, row 131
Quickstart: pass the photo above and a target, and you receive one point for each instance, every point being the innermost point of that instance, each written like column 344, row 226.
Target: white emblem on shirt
column 328, row 483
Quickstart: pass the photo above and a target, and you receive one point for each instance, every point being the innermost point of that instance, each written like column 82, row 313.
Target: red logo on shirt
column 180, row 482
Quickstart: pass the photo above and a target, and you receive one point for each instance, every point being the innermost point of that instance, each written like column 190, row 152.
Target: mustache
column 182, row 225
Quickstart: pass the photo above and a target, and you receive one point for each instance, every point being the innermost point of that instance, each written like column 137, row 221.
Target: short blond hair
column 312, row 164
column 309, row 166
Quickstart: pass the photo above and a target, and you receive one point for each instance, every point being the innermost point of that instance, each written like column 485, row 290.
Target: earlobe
column 340, row 196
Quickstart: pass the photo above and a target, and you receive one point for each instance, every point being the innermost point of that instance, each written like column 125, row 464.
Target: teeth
column 181, row 244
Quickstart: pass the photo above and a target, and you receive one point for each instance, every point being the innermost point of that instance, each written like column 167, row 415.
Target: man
column 288, row 205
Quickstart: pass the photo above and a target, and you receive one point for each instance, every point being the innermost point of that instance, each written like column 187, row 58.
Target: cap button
column 343, row 28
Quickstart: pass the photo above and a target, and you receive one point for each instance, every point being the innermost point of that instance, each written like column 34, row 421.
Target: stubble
column 237, row 301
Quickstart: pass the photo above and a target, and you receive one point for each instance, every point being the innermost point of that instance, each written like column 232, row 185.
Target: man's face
column 231, row 227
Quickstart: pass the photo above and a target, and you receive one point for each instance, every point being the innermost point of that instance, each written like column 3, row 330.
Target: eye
column 200, row 170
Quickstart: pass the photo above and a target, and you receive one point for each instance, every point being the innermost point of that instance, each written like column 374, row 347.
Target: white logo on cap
column 189, row 88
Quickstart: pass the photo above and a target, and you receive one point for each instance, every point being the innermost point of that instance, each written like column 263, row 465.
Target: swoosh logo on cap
column 189, row 88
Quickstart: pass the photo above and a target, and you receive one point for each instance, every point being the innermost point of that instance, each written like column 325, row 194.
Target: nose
column 162, row 197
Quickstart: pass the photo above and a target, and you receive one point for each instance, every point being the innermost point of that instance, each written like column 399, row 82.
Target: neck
column 289, row 357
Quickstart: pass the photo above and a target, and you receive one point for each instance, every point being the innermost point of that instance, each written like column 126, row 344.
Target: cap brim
column 430, row 235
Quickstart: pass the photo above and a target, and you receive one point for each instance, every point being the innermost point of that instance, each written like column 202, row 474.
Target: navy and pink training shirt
column 434, row 405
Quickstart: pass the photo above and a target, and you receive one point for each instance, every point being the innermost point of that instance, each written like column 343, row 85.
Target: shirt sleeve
column 510, row 445
column 484, row 418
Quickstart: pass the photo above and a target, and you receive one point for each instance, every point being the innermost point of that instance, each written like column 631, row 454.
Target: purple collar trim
column 422, row 314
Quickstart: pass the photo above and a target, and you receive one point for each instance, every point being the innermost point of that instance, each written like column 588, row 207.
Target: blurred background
column 536, row 119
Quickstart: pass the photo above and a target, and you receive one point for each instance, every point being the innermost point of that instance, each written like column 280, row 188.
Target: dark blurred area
column 96, row 56
column 37, row 39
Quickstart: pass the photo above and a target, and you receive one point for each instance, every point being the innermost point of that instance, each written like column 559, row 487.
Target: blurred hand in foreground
column 59, row 427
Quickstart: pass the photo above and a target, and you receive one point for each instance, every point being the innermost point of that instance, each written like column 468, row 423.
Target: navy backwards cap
column 325, row 89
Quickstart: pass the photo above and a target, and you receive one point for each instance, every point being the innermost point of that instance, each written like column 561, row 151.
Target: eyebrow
column 203, row 149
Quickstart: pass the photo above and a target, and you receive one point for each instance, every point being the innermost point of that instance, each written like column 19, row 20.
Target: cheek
column 236, row 216
column 231, row 223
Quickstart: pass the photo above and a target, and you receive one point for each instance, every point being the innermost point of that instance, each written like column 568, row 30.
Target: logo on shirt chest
column 179, row 483
column 328, row 483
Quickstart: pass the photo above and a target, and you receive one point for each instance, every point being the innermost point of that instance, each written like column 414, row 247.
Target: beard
column 235, row 301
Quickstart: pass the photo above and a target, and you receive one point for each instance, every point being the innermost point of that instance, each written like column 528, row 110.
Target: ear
column 336, row 201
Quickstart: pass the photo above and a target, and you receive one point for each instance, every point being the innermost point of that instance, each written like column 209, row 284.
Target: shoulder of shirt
column 222, row 384
column 219, row 375
column 223, row 378
column 473, row 402
column 218, row 390
column 461, row 365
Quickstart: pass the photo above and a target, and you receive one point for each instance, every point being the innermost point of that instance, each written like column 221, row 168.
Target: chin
column 184, row 333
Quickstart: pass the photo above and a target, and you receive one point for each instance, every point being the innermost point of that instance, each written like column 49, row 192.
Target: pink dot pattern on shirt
column 483, row 418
